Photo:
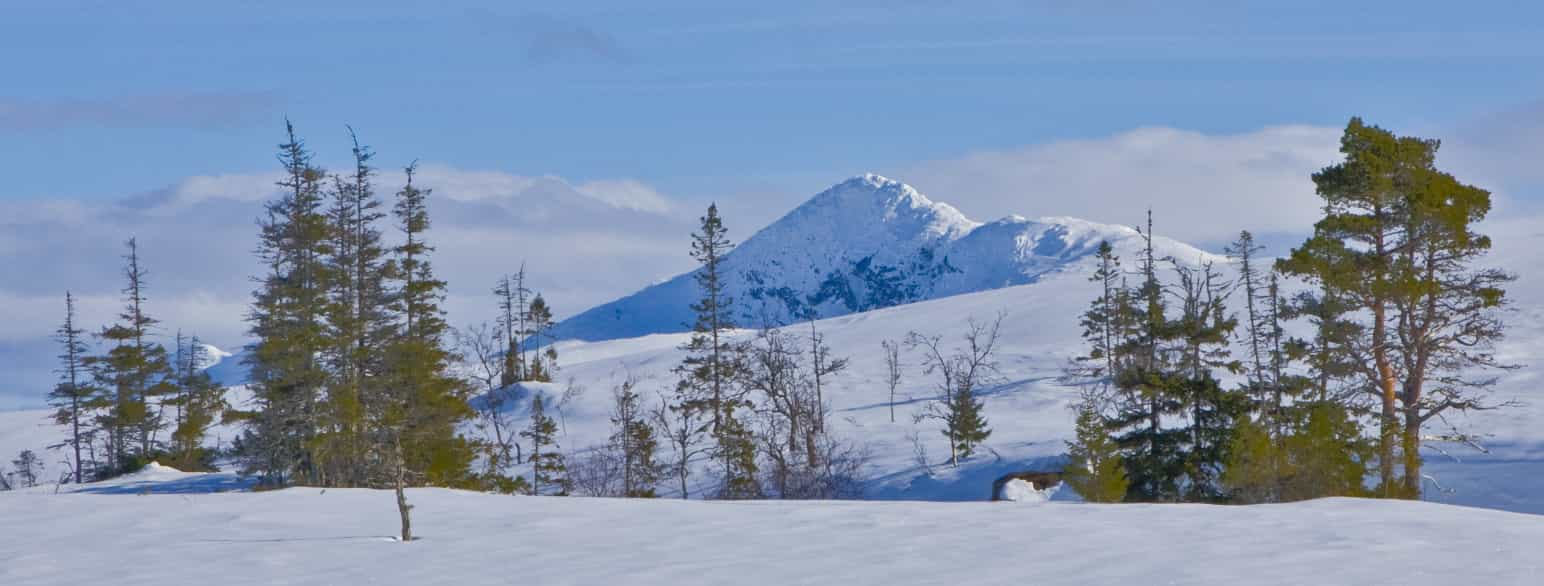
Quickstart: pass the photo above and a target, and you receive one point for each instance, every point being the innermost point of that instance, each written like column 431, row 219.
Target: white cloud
column 627, row 194
column 1203, row 187
column 582, row 245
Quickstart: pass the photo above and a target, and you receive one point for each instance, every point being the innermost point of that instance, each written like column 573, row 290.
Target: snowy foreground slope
column 338, row 536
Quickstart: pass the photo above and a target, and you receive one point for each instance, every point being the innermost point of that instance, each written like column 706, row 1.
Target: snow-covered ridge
column 867, row 243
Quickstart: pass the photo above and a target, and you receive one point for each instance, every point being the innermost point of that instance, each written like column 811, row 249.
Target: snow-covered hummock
column 866, row 243
column 346, row 536
column 1019, row 490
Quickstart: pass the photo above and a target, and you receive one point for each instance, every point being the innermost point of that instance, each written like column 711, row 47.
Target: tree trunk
column 75, row 429
column 1387, row 395
column 1412, row 449
column 681, row 473
column 400, row 483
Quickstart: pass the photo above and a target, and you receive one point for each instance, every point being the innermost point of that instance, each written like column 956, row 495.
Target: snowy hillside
column 344, row 536
column 866, row 243
column 1026, row 409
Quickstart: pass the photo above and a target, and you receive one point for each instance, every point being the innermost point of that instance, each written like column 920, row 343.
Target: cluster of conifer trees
column 135, row 402
column 1397, row 323
column 351, row 370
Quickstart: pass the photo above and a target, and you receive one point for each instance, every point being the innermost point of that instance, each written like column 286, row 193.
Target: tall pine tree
column 1396, row 244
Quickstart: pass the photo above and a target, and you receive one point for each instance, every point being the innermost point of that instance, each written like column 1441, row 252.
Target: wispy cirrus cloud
column 214, row 110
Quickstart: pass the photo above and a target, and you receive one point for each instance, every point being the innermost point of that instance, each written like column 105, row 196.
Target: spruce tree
column 964, row 424
column 420, row 403
column 1256, row 466
column 709, row 368
column 359, row 322
column 1328, row 455
column 133, row 375
column 287, row 318
column 1201, row 334
column 1260, row 378
column 416, row 406
column 960, row 373
column 1094, row 468
column 1102, row 328
column 549, row 472
column 538, row 319
column 29, row 468
column 736, row 449
column 74, row 399
column 1149, row 389
column 200, row 403
column 713, row 363
column 633, row 439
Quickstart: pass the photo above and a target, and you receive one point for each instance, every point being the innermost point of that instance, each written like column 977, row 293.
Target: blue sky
column 583, row 137
column 110, row 98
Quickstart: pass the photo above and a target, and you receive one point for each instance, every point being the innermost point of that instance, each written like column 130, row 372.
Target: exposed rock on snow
column 1027, row 480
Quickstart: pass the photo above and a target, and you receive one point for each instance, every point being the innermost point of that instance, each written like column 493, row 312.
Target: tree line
column 1396, row 325
column 1201, row 382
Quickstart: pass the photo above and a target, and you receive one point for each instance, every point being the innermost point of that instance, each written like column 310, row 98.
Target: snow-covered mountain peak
column 212, row 356
column 866, row 243
column 870, row 208
column 871, row 189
